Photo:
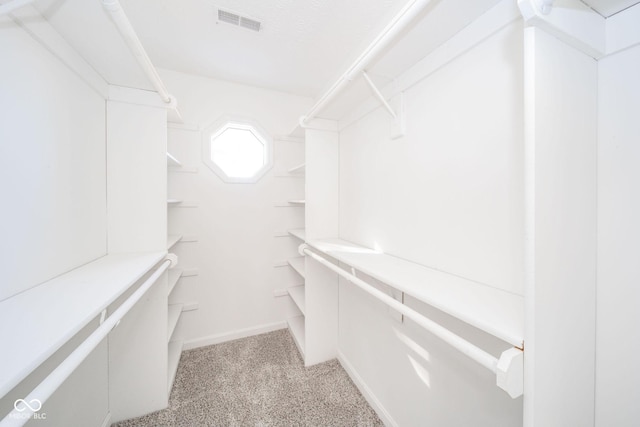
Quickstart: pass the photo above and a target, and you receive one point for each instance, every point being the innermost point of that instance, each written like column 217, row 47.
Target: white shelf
column 297, row 264
column 297, row 295
column 296, row 326
column 174, row 276
column 300, row 169
column 172, row 239
column 173, row 201
column 32, row 328
column 298, row 233
column 495, row 311
column 172, row 161
column 175, row 310
column 175, row 350
column 297, row 202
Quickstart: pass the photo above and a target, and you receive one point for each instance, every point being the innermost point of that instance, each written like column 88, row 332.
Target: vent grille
column 237, row 20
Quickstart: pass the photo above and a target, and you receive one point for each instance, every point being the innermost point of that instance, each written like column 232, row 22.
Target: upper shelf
column 172, row 240
column 297, row 202
column 297, row 264
column 495, row 311
column 32, row 328
column 172, row 161
column 300, row 169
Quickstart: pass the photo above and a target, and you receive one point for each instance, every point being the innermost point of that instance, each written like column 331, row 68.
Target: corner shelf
column 492, row 310
column 172, row 161
column 172, row 240
column 175, row 350
column 297, row 264
column 298, row 233
column 297, row 295
column 298, row 170
column 296, row 326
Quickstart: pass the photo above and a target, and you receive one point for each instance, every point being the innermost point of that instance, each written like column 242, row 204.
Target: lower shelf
column 175, row 350
column 296, row 326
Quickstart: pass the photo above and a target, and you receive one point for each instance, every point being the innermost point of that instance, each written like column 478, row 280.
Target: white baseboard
column 233, row 335
column 373, row 401
column 107, row 420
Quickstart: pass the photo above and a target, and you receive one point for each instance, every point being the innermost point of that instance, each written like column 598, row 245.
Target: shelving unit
column 171, row 202
column 297, row 202
column 298, row 233
column 297, row 295
column 172, row 161
column 175, row 310
column 174, row 352
column 492, row 310
column 174, row 277
column 297, row 264
column 81, row 295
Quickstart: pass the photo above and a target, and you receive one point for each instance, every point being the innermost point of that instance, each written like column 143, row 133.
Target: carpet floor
column 259, row 381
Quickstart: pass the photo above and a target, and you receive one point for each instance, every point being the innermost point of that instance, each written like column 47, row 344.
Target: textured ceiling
column 302, row 46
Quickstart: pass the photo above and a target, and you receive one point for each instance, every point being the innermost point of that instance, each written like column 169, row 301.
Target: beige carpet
column 259, row 381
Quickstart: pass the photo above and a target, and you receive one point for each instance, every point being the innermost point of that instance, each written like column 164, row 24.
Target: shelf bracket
column 398, row 125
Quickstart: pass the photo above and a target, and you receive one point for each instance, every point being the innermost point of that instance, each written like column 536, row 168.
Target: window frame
column 218, row 127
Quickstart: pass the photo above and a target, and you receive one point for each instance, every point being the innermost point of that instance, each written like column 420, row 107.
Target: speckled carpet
column 259, row 381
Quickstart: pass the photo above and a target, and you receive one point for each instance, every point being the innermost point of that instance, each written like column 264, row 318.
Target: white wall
column 618, row 338
column 449, row 196
column 52, row 165
column 234, row 223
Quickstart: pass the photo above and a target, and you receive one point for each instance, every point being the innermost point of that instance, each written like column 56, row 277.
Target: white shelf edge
column 174, row 353
column 172, row 239
column 175, row 310
column 174, row 277
column 172, row 161
column 297, row 202
column 173, row 201
column 297, row 295
column 296, row 326
column 290, row 204
column 297, row 170
column 298, row 233
column 490, row 309
column 297, row 264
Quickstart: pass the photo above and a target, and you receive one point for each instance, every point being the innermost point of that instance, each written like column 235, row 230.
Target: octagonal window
column 237, row 151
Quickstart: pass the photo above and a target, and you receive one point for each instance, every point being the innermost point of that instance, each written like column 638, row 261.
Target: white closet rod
column 502, row 367
column 40, row 394
column 133, row 42
column 399, row 22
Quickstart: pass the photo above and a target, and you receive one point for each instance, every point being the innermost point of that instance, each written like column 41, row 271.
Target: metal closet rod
column 399, row 22
column 44, row 390
column 502, row 367
column 133, row 42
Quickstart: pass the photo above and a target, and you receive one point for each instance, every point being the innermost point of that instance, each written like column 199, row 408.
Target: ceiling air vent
column 240, row 21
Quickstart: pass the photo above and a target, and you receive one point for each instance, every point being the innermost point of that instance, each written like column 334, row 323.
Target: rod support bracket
column 510, row 372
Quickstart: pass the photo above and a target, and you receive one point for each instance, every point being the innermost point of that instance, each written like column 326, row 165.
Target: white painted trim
column 233, row 335
column 144, row 97
column 371, row 398
column 33, row 23
column 184, row 126
column 571, row 21
column 488, row 24
column 286, row 138
column 107, row 420
column 320, row 124
column 623, row 30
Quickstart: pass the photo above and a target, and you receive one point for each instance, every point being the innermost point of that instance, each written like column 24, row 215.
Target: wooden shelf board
column 296, row 327
column 175, row 350
column 297, row 264
column 80, row 295
column 298, row 233
column 297, row 295
column 175, row 310
column 493, row 310
column 172, row 239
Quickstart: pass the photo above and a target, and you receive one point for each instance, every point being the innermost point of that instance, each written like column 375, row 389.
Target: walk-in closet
column 411, row 213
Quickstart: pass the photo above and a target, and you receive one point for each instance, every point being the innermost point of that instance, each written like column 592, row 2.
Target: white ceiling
column 607, row 8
